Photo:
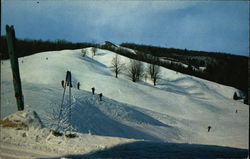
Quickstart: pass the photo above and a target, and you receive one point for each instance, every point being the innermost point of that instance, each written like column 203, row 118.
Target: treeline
column 25, row 47
column 230, row 70
column 150, row 58
column 192, row 57
column 222, row 68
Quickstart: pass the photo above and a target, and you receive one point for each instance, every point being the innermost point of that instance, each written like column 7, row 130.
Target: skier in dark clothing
column 208, row 128
column 100, row 95
column 93, row 90
column 62, row 82
column 236, row 111
column 78, row 85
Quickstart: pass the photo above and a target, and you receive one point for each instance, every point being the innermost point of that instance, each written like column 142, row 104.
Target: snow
column 40, row 140
column 128, row 49
column 41, row 143
column 27, row 117
column 202, row 68
column 178, row 110
column 170, row 60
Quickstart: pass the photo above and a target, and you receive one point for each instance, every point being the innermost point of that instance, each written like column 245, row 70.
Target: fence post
column 14, row 67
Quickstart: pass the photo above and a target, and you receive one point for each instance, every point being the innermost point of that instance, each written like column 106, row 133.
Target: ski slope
column 179, row 109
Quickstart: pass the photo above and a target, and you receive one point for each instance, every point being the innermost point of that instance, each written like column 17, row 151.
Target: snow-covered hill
column 179, row 109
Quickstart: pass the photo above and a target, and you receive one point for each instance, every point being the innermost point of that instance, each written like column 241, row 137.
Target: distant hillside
column 25, row 47
column 222, row 68
column 227, row 69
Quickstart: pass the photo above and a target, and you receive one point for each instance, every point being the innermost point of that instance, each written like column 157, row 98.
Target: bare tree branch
column 117, row 66
column 135, row 70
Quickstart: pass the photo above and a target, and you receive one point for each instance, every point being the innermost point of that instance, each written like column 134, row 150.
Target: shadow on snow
column 109, row 118
column 154, row 150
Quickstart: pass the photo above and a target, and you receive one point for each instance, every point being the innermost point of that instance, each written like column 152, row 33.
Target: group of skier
column 100, row 95
column 93, row 92
column 78, row 87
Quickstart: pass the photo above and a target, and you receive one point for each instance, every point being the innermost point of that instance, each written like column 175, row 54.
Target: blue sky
column 220, row 26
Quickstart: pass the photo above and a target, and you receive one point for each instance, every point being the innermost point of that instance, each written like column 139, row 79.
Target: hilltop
column 178, row 109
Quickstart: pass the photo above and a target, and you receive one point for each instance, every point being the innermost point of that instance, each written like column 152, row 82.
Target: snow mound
column 23, row 119
column 178, row 109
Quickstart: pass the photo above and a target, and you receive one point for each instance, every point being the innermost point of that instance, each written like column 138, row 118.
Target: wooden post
column 14, row 66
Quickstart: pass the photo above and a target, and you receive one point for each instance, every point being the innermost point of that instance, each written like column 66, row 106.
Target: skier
column 93, row 90
column 62, row 82
column 100, row 95
column 208, row 128
column 47, row 58
column 78, row 85
column 236, row 111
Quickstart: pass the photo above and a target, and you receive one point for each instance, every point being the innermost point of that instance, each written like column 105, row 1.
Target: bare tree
column 93, row 50
column 135, row 70
column 154, row 71
column 84, row 52
column 117, row 66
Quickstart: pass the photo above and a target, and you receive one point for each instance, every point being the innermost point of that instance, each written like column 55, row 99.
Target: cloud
column 213, row 26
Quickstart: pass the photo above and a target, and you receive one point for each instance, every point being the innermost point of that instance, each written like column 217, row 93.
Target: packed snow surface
column 34, row 139
column 178, row 109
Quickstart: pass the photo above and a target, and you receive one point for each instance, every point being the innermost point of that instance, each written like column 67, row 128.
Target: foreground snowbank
column 24, row 136
column 23, row 133
column 23, row 120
